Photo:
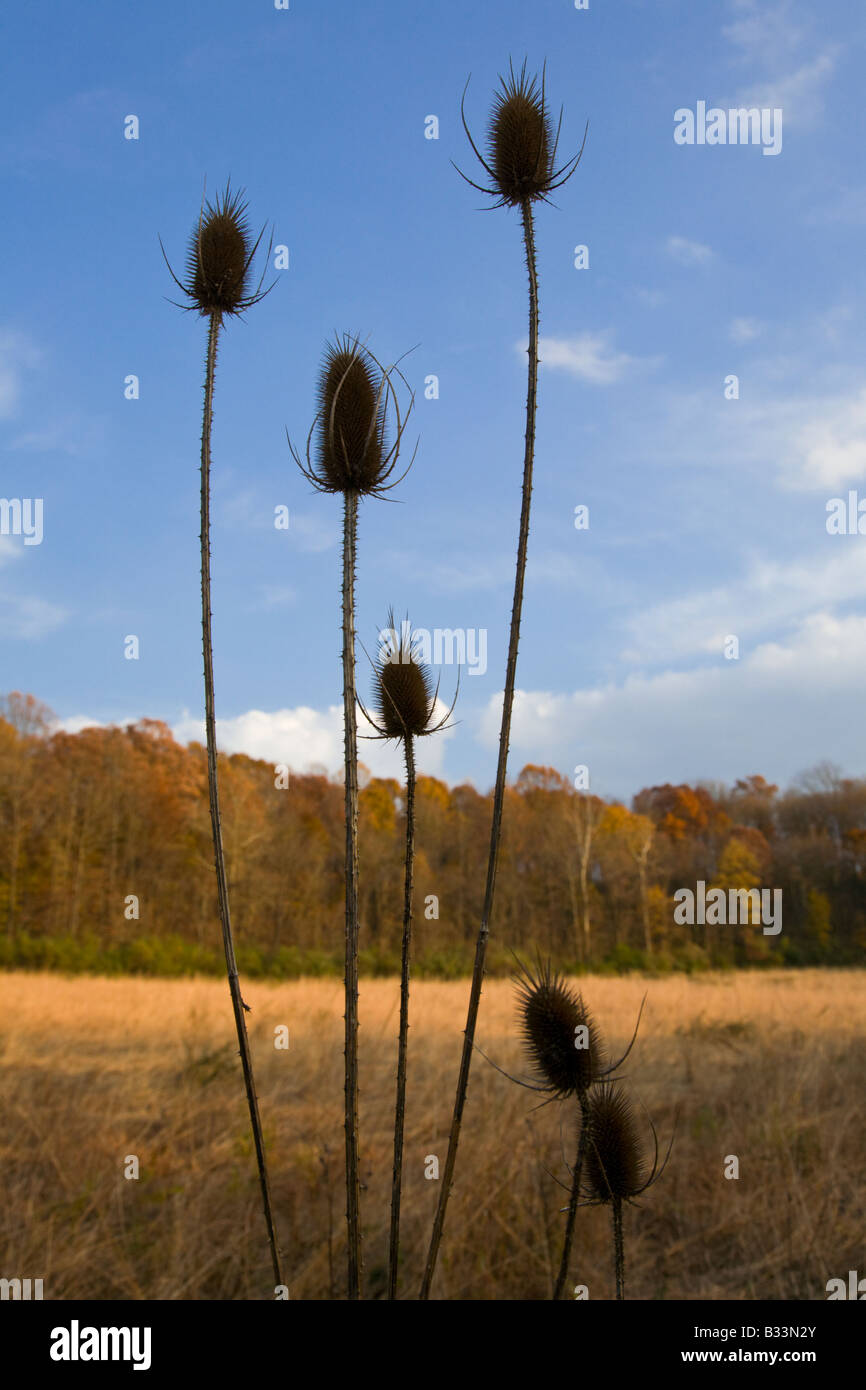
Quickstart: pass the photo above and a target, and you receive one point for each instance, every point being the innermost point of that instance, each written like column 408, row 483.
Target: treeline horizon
column 106, row 864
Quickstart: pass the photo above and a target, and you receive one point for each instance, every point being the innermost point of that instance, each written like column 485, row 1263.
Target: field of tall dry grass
column 767, row 1067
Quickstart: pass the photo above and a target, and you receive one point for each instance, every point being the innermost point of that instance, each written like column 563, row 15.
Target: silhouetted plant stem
column 351, row 456
column 573, row 1200
column 213, row 789
column 504, row 736
column 402, row 1049
column 618, row 1247
column 353, row 1177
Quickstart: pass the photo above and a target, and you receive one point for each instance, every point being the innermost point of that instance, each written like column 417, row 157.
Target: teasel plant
column 521, row 165
column 617, row 1169
column 568, row 1058
column 218, row 286
column 352, row 448
column 405, row 706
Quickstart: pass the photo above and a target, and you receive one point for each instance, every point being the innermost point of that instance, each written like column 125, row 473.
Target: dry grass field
column 769, row 1067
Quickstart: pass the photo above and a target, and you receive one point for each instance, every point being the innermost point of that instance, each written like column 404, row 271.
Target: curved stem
column 618, row 1247
column 504, row 736
column 573, row 1200
column 402, row 1049
column 213, row 790
column 353, row 1176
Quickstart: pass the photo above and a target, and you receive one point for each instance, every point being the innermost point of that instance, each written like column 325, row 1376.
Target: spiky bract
column 615, row 1163
column 521, row 140
column 219, row 258
column 559, row 1032
column 521, row 144
column 351, row 439
column 404, row 698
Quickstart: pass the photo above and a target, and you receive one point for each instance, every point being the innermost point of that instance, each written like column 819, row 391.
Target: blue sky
column 707, row 515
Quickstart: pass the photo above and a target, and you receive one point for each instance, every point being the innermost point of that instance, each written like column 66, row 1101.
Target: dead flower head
column 617, row 1168
column 219, row 259
column 404, row 698
column 352, row 426
column 522, row 144
column 559, row 1032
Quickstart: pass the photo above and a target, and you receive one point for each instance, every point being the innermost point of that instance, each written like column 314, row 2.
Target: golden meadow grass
column 767, row 1066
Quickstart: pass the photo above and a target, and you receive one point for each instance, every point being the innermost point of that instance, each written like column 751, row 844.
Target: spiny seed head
column 615, row 1164
column 559, row 1032
column 403, row 695
column 220, row 253
column 521, row 140
column 352, row 400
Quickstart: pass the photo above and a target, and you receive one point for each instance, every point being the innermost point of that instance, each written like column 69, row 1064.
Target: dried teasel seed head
column 403, row 696
column 615, row 1163
column 521, row 140
column 559, row 1033
column 352, row 400
column 219, row 257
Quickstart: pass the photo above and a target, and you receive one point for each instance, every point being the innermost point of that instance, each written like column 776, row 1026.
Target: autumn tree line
column 106, row 863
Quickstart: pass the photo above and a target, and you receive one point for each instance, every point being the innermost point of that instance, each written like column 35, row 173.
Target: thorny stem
column 504, row 736
column 618, row 1247
column 213, row 789
column 573, row 1200
column 400, row 1113
column 353, row 1177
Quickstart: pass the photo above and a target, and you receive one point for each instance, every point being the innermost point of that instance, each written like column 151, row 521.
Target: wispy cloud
column 251, row 510
column 587, row 356
column 17, row 355
column 72, row 434
column 688, row 252
column 792, row 67
column 770, row 597
column 11, row 548
column 845, row 206
column 278, row 595
column 29, row 618
column 745, row 330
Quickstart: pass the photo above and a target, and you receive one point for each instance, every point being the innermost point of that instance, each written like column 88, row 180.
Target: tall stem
column 573, row 1201
column 618, row 1247
column 213, row 790
column 353, row 1176
column 402, row 1048
column 504, row 736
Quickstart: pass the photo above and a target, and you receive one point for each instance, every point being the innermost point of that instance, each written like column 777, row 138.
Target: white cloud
column 844, row 205
column 11, row 548
column 587, row 356
column 764, row 32
column 17, row 355
column 29, row 618
column 827, row 447
column 767, row 712
column 313, row 534
column 653, row 299
column 799, row 94
column 772, row 595
column 278, row 595
column 745, row 330
column 688, row 252
column 802, row 437
column 76, row 722
column 73, row 433
column 303, row 737
column 793, row 73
